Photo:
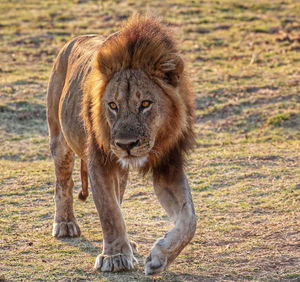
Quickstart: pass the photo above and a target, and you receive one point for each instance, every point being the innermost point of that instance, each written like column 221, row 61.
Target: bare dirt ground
column 244, row 60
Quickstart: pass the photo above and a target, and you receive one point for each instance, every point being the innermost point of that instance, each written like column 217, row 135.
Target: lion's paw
column 114, row 263
column 65, row 229
column 134, row 247
column 157, row 261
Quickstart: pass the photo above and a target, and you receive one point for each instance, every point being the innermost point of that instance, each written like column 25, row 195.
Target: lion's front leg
column 174, row 194
column 117, row 252
column 65, row 224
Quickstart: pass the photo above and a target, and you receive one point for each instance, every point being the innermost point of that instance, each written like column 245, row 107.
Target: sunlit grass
column 243, row 59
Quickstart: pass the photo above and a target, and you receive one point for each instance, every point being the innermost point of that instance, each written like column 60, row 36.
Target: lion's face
column 135, row 108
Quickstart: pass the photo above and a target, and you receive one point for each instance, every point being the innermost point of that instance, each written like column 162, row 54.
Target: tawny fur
column 140, row 62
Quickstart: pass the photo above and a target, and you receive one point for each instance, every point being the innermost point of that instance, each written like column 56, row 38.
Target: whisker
column 156, row 153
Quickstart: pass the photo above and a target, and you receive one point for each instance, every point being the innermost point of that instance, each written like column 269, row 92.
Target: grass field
column 244, row 60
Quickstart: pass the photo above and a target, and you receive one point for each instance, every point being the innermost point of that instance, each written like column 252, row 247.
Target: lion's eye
column 113, row 106
column 145, row 104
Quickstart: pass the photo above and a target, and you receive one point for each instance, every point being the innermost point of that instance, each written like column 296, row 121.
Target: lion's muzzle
column 131, row 152
column 127, row 144
column 130, row 148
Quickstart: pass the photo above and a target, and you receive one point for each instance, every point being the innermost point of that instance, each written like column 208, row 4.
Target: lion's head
column 141, row 103
column 136, row 109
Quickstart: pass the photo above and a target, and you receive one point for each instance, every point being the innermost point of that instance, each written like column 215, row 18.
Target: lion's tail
column 84, row 193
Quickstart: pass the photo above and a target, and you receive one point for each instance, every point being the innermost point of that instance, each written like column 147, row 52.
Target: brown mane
column 142, row 43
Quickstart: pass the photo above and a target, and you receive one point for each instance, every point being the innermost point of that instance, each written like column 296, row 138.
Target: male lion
column 120, row 102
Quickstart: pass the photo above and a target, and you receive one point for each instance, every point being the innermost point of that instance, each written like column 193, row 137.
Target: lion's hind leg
column 65, row 224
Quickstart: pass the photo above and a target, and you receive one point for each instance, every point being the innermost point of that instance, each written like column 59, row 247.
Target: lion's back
column 69, row 73
column 75, row 58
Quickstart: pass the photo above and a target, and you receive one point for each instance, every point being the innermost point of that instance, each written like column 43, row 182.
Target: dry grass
column 245, row 171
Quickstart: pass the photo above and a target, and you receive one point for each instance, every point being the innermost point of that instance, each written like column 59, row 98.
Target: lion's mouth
column 135, row 157
column 131, row 161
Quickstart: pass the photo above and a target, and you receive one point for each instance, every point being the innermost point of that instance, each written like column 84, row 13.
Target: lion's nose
column 127, row 144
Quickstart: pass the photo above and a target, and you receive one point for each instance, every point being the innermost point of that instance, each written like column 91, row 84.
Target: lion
column 119, row 103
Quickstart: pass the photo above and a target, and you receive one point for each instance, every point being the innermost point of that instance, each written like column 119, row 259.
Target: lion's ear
column 106, row 63
column 172, row 68
column 111, row 56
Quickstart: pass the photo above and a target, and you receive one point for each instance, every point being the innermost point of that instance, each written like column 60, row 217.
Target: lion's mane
column 143, row 43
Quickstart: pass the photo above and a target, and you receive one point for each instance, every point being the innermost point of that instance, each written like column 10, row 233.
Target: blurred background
column 244, row 62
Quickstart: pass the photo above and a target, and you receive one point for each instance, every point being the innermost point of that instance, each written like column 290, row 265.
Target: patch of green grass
column 279, row 119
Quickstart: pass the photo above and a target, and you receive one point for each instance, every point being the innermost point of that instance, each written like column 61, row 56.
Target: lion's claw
column 134, row 247
column 65, row 229
column 114, row 263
